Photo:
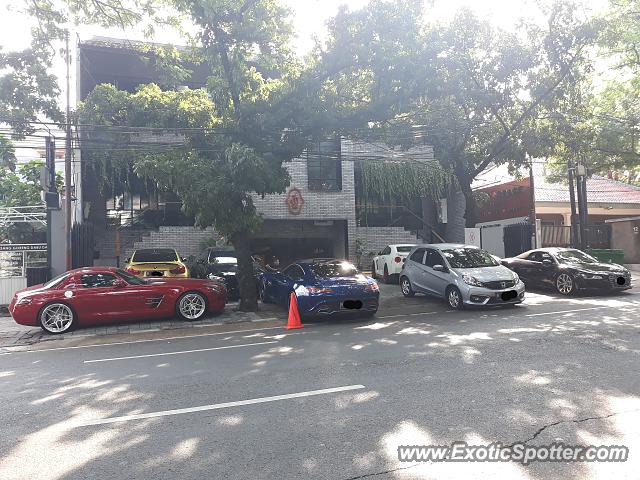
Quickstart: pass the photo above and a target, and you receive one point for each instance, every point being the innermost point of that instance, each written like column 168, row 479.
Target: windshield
column 404, row 249
column 131, row 279
column 575, row 256
column 224, row 264
column 54, row 282
column 334, row 269
column 469, row 258
column 155, row 255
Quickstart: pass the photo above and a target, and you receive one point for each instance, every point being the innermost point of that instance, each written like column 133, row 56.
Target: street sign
column 23, row 247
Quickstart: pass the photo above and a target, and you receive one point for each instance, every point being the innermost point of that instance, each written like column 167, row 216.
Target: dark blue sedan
column 322, row 286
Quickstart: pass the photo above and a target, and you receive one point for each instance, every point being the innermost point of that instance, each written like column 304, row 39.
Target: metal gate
column 517, row 238
column 82, row 245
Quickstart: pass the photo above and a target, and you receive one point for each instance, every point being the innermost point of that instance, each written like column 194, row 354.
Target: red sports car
column 100, row 295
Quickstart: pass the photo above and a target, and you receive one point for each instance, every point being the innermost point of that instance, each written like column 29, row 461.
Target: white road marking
column 564, row 311
column 176, row 353
column 407, row 315
column 217, row 406
column 153, row 339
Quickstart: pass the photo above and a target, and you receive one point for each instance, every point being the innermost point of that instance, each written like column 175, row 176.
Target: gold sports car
column 156, row 262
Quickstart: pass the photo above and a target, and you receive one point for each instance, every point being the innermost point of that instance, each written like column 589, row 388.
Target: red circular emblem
column 295, row 201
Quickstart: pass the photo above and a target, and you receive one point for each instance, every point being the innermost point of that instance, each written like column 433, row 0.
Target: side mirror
column 128, row 259
column 439, row 268
column 546, row 262
column 120, row 284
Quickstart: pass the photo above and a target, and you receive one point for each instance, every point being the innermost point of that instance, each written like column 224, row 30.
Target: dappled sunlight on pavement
column 409, row 433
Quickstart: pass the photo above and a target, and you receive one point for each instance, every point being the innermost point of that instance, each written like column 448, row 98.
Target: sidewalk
column 12, row 334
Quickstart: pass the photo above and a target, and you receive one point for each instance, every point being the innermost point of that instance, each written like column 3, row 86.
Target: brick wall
column 377, row 238
column 186, row 240
column 340, row 205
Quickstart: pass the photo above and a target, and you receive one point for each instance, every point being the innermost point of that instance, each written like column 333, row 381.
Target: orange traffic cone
column 294, row 317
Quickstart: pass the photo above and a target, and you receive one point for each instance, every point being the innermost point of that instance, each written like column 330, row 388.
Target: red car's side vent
column 154, row 302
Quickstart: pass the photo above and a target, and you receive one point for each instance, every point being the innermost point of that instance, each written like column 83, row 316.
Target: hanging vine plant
column 404, row 179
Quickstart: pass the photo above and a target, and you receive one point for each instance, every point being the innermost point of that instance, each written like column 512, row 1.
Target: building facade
column 320, row 213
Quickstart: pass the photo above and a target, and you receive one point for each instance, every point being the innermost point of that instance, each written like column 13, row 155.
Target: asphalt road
column 333, row 400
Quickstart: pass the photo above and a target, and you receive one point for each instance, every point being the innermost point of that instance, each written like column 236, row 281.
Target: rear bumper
column 395, row 268
column 348, row 304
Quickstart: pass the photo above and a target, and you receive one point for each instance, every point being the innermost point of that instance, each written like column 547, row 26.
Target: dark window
column 386, row 251
column 155, row 255
column 433, row 258
column 418, row 255
column 404, row 249
column 534, row 257
column 97, row 280
column 293, row 272
column 469, row 258
column 324, row 166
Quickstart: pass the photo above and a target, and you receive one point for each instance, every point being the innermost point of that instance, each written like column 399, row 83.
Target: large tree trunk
column 246, row 276
column 471, row 207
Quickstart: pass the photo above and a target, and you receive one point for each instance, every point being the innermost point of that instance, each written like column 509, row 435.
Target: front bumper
column 330, row 304
column 608, row 282
column 486, row 296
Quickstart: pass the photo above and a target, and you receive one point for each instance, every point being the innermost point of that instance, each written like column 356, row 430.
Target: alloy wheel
column 192, row 306
column 454, row 298
column 564, row 284
column 56, row 318
column 406, row 288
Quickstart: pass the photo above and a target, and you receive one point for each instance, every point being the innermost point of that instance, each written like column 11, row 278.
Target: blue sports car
column 322, row 286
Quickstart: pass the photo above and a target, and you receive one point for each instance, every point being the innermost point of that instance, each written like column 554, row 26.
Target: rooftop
column 599, row 190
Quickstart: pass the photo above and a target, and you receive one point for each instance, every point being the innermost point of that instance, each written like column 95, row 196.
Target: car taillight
column 316, row 290
column 397, row 259
column 133, row 271
column 178, row 269
column 372, row 287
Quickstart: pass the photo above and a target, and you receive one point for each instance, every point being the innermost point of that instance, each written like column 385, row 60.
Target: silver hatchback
column 462, row 274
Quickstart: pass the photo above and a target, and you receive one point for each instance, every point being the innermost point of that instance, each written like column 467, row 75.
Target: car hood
column 487, row 274
column 25, row 292
column 598, row 267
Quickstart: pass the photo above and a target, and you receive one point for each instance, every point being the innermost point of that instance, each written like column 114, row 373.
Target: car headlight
column 516, row 278
column 471, row 280
column 24, row 301
column 589, row 276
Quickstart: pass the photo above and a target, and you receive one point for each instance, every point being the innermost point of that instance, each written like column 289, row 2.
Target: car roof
column 444, row 246
column 153, row 249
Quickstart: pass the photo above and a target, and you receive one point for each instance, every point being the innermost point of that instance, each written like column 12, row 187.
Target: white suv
column 388, row 262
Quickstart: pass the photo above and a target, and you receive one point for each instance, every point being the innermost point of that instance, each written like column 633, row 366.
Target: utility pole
column 581, row 172
column 572, row 199
column 532, row 215
column 67, row 159
column 50, row 195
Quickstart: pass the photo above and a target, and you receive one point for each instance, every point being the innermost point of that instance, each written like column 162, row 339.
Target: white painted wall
column 492, row 234
column 9, row 286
